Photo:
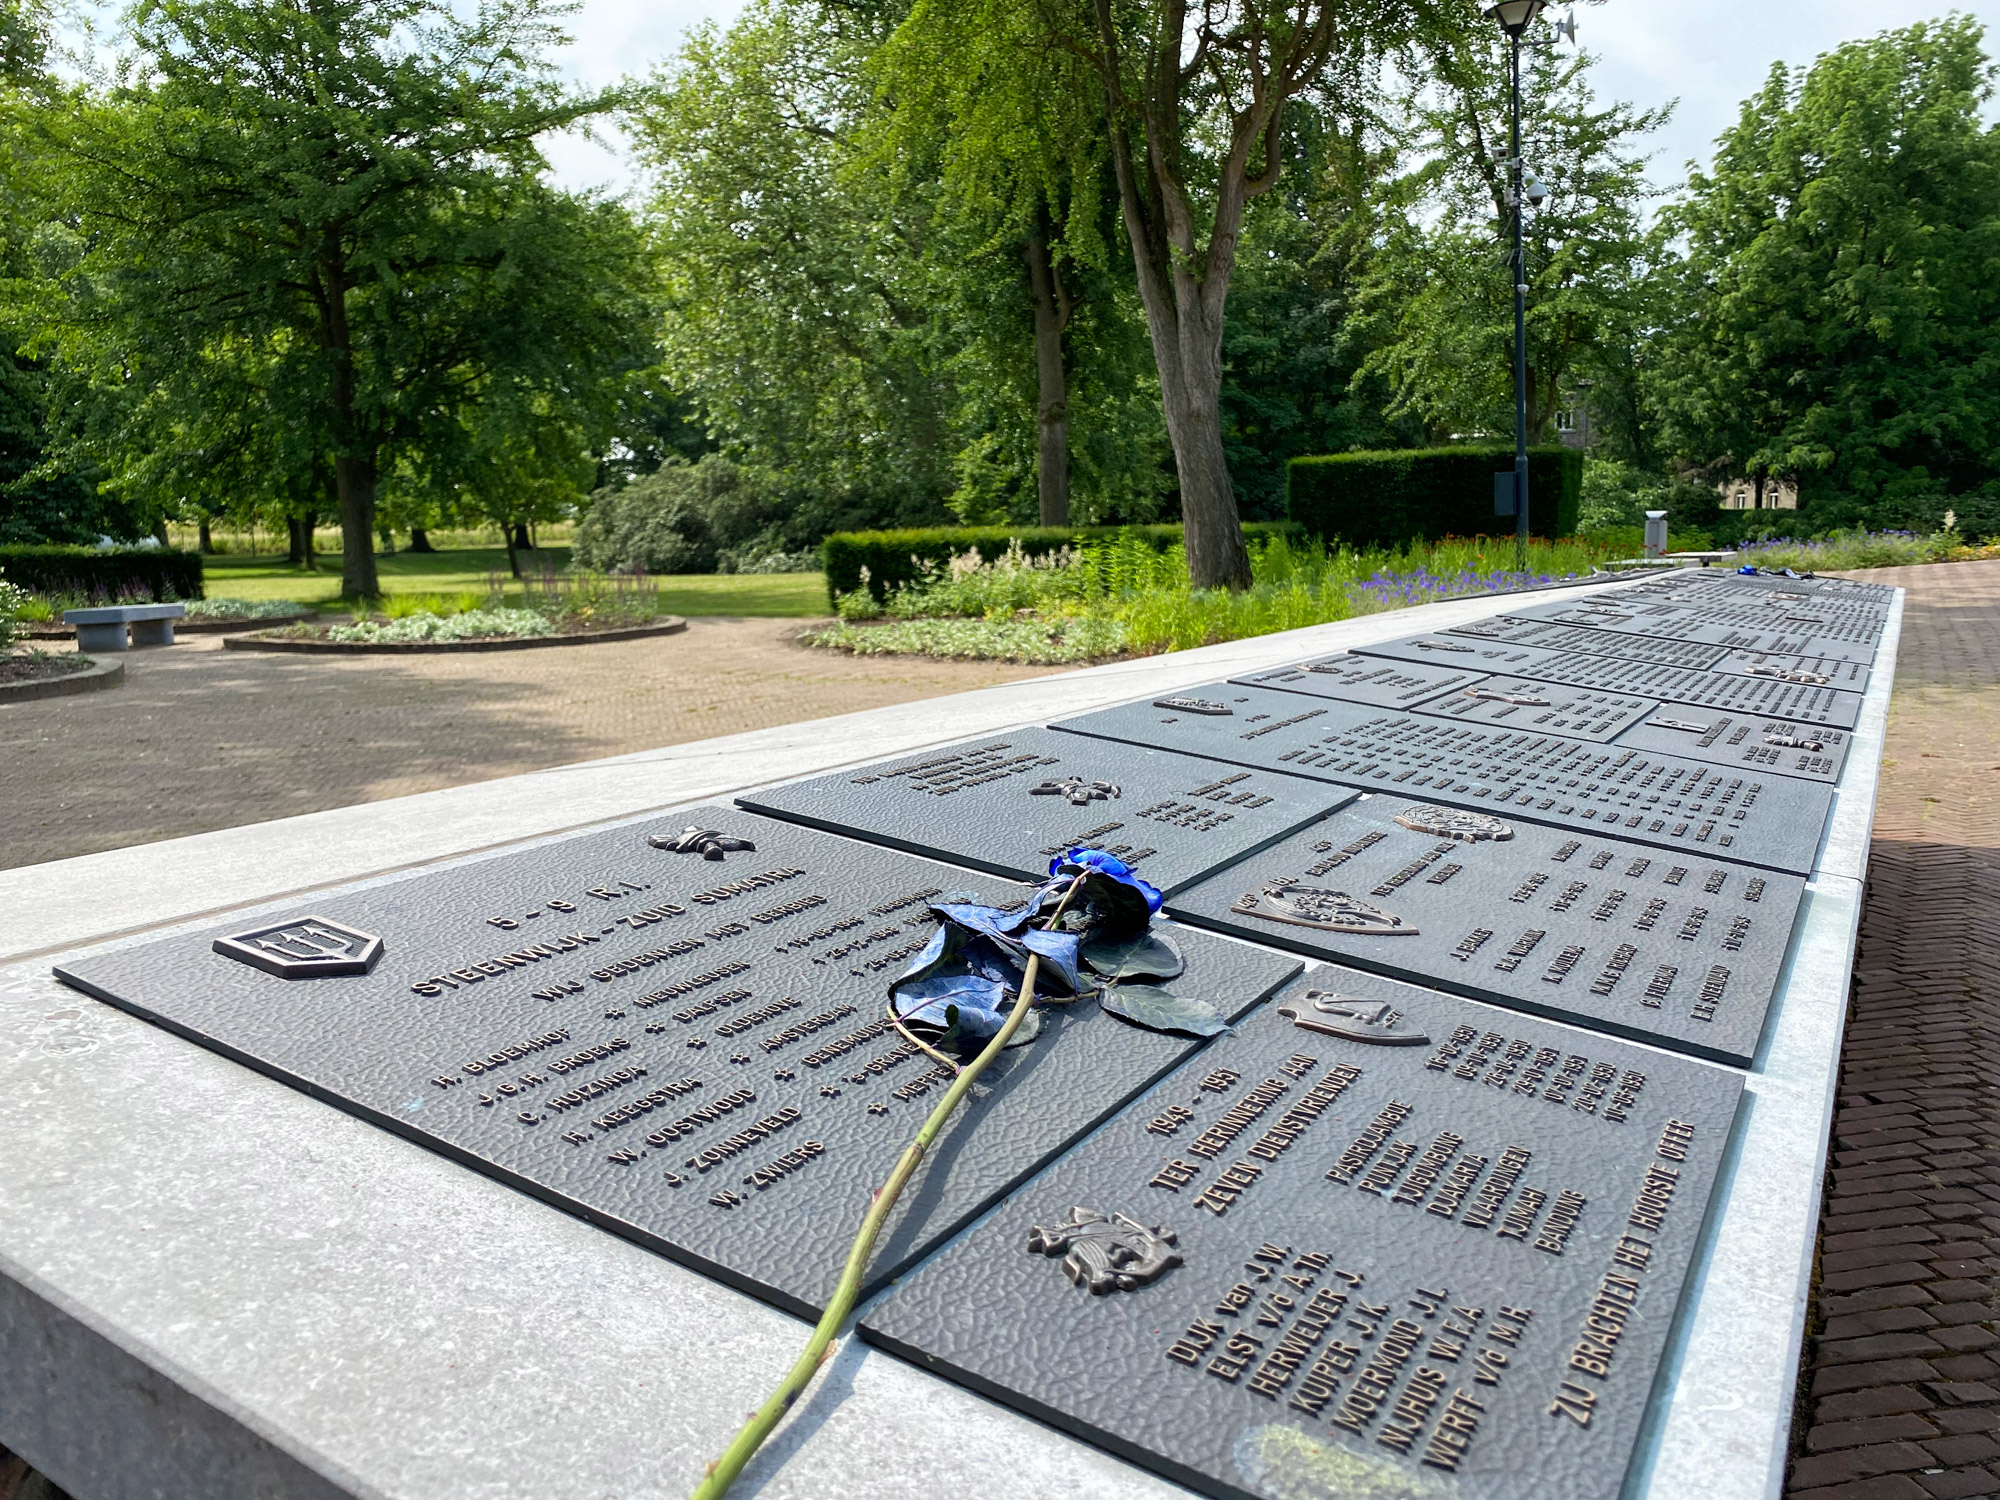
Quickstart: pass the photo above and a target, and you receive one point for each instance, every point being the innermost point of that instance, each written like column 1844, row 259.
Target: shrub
column 242, row 609
column 157, row 573
column 1396, row 496
column 700, row 518
column 895, row 558
column 473, row 624
column 13, row 600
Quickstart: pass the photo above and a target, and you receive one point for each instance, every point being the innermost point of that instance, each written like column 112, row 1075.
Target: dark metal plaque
column 1674, row 802
column 1543, row 635
column 1771, row 696
column 1810, row 671
column 1812, row 752
column 1773, row 632
column 1356, row 1270
column 1581, row 713
column 689, row 1051
column 1012, row 803
column 1367, row 679
column 1600, row 932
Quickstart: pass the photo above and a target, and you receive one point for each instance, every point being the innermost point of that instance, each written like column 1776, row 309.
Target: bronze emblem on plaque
column 1329, row 911
column 1076, row 791
column 308, row 948
column 1375, row 1023
column 1107, row 1252
column 706, row 842
column 1196, row 706
column 1455, row 823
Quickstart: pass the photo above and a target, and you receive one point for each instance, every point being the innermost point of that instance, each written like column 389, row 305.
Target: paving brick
column 1885, row 1487
column 1966, row 1448
column 1962, row 1392
column 1859, row 1463
column 1877, row 1401
column 1890, row 1275
column 1825, row 1436
column 1883, row 1320
column 1958, row 1484
column 1910, row 1294
column 1963, row 1418
column 1965, row 1367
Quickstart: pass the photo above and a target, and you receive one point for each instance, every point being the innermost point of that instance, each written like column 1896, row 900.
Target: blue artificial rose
column 1097, row 862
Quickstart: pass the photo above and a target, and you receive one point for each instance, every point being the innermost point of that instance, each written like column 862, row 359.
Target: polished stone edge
column 100, row 1420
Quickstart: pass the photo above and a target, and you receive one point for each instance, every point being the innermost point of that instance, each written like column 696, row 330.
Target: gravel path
column 201, row 738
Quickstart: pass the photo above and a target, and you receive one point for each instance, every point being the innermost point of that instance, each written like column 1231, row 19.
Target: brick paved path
column 1901, row 1391
column 202, row 738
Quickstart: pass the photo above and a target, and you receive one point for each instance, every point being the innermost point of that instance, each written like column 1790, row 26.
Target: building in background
column 1766, row 492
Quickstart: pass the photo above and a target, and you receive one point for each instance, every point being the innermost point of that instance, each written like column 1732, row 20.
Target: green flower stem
column 722, row 1473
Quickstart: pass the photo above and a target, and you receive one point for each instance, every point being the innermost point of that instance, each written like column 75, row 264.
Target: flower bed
column 471, row 630
column 1121, row 595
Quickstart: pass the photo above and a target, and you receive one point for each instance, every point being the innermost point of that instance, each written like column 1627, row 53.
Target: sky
column 1708, row 54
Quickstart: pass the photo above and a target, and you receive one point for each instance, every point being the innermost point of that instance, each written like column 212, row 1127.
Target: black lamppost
column 1514, row 17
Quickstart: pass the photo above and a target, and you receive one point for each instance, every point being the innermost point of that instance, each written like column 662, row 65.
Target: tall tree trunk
column 160, row 532
column 205, row 542
column 521, row 540
column 1052, row 313
column 299, row 540
column 419, row 542
column 354, row 481
column 1183, row 292
column 354, row 459
column 513, row 552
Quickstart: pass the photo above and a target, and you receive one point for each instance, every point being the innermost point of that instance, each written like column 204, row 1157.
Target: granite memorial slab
column 1597, row 931
column 1319, row 1263
column 1785, row 747
column 1775, row 634
column 1670, row 801
column 1772, row 695
column 676, row 1030
column 1010, row 804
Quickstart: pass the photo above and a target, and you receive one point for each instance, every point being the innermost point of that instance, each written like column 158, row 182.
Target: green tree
column 800, row 307
column 348, row 190
column 1838, row 309
column 1195, row 99
column 1437, row 300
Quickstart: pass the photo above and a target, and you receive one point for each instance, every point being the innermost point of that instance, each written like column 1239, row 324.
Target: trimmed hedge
column 890, row 556
column 163, row 572
column 1393, row 497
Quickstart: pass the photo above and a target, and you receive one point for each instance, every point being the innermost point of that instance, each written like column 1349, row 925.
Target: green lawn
column 236, row 576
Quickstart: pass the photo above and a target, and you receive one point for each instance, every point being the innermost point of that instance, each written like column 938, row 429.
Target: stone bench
column 103, row 629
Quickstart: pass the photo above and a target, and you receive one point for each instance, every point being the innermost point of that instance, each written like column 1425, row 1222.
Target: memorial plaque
column 1810, row 671
column 676, row 1030
column 1367, row 679
column 1311, row 1266
column 1600, row 932
column 1012, row 803
column 1580, row 713
column 1812, row 752
column 1774, row 634
column 1674, row 802
column 1766, row 694
column 1544, row 635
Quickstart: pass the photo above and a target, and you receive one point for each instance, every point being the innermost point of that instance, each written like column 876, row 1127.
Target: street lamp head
column 1515, row 16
